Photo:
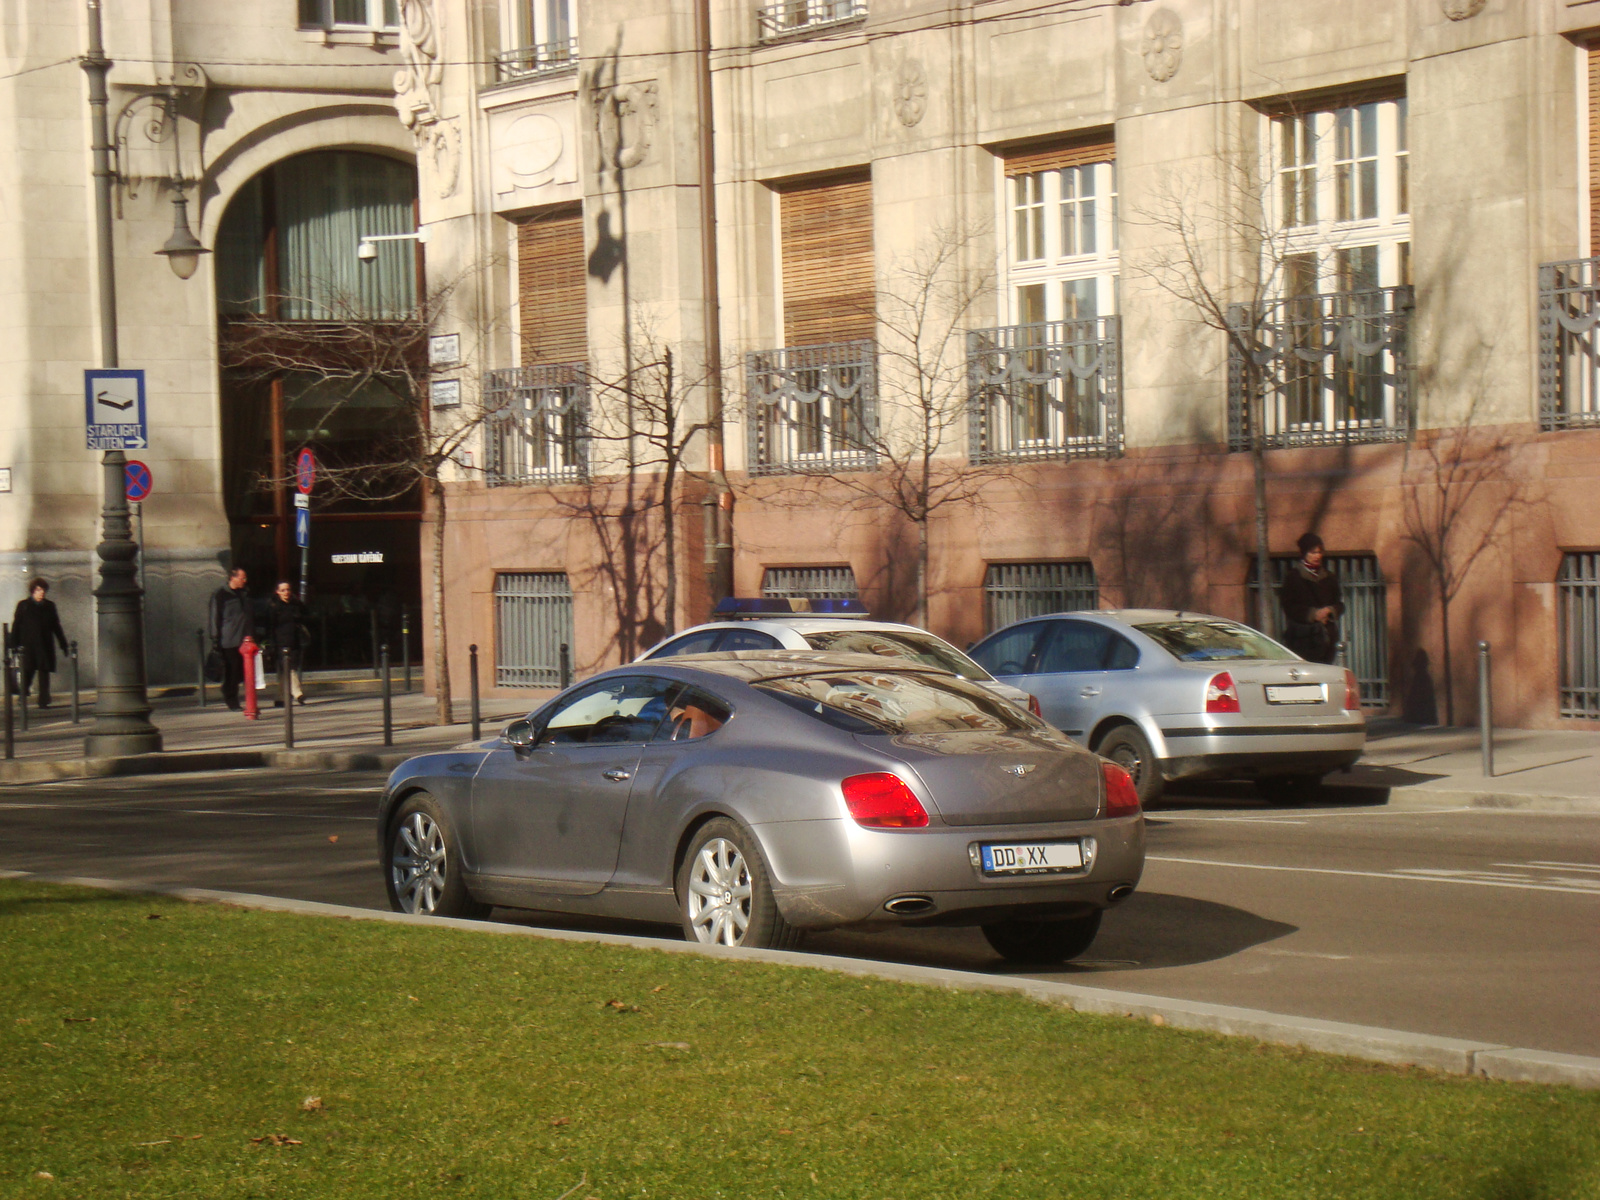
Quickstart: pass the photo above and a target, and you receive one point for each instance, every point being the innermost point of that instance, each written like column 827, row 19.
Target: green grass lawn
column 151, row 1045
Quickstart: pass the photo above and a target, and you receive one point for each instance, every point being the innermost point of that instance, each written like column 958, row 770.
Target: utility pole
column 121, row 707
column 718, row 502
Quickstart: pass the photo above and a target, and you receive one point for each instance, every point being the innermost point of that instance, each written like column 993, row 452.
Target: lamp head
column 182, row 250
column 366, row 251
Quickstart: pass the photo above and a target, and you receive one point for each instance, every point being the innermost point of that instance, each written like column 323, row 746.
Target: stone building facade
column 208, row 99
column 1384, row 207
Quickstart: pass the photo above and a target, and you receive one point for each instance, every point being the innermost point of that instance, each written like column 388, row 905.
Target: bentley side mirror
column 520, row 735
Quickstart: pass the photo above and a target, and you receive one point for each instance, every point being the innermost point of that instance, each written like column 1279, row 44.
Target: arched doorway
column 298, row 314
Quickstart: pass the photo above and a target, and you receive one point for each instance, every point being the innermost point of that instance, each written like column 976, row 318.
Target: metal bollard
column 405, row 645
column 472, row 676
column 1485, row 711
column 372, row 621
column 286, row 693
column 5, row 669
column 22, row 692
column 72, row 657
column 566, row 666
column 388, row 701
column 200, row 664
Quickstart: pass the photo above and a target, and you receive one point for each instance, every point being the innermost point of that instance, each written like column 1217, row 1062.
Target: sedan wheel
column 727, row 899
column 424, row 872
column 1130, row 749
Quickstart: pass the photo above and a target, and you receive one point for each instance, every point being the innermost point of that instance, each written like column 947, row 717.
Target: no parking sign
column 137, row 482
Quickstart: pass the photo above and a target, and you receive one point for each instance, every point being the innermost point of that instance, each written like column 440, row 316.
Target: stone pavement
column 1553, row 770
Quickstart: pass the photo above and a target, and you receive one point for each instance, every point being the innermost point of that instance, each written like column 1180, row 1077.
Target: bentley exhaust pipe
column 1121, row 892
column 909, row 906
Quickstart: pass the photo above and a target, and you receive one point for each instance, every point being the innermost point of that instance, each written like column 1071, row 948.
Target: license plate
column 1031, row 858
column 1295, row 693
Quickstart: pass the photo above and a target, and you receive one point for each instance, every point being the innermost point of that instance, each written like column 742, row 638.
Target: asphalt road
column 1469, row 923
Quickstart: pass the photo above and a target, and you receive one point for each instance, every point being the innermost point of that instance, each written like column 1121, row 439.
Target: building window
column 1049, row 384
column 810, row 583
column 533, row 621
column 1333, row 341
column 789, row 18
column 1364, row 628
column 1578, row 589
column 543, row 40
column 538, row 424
column 350, row 14
column 1016, row 591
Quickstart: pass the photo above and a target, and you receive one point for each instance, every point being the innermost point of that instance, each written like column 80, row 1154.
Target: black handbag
column 214, row 665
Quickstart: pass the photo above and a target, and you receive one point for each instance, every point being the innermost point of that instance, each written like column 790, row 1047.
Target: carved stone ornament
column 1163, row 44
column 910, row 92
column 625, row 119
column 416, row 96
column 1460, row 10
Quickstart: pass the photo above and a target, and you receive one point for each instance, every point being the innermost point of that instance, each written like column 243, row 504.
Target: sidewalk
column 340, row 732
column 1405, row 766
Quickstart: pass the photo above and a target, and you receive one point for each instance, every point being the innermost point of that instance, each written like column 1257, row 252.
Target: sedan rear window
column 900, row 703
column 917, row 648
column 1212, row 641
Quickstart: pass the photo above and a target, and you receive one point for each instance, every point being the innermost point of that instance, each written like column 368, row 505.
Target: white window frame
column 540, row 22
column 377, row 16
column 1058, row 194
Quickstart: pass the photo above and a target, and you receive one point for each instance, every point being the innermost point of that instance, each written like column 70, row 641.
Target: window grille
column 1046, row 390
column 1578, row 591
column 1016, row 591
column 530, row 62
column 789, row 17
column 810, row 583
column 536, row 430
column 1569, row 349
column 1364, row 627
column 812, row 408
column 533, row 619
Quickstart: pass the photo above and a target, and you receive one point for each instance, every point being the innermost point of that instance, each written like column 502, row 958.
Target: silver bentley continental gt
column 756, row 795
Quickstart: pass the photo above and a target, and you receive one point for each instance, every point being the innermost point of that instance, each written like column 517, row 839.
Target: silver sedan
column 1182, row 695
column 753, row 796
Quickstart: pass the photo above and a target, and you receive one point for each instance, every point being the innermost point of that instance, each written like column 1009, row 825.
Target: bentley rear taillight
column 880, row 800
column 1122, row 798
column 1221, row 695
column 1033, row 707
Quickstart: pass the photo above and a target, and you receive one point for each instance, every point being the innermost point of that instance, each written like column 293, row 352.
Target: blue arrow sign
column 113, row 410
column 302, row 527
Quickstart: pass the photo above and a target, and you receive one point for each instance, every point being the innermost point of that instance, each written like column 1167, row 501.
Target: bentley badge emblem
column 1018, row 769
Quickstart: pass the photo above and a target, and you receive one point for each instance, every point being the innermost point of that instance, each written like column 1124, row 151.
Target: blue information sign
column 302, row 527
column 113, row 408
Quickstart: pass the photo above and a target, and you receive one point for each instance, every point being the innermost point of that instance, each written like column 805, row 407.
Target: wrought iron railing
column 812, row 408
column 1016, row 591
column 789, row 17
column 1569, row 347
column 1330, row 369
column 1046, row 391
column 533, row 620
column 1578, row 601
column 537, row 426
column 528, row 62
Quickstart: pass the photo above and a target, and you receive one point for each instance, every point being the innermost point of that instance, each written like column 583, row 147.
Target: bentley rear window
column 901, row 702
column 918, row 647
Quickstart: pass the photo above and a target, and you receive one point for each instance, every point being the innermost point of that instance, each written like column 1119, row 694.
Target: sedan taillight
column 1033, row 707
column 1122, row 798
column 883, row 801
column 1221, row 695
column 1352, row 692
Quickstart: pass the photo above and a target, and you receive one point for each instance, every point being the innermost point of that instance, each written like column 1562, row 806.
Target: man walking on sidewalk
column 229, row 622
column 35, row 631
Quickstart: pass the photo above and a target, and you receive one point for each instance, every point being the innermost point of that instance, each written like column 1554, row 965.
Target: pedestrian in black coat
column 1312, row 604
column 285, row 626
column 36, row 631
column 229, row 621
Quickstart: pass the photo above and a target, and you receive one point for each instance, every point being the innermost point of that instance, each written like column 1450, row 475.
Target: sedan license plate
column 1030, row 858
column 1295, row 693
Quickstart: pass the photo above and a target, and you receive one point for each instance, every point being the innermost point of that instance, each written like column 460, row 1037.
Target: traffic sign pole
column 305, row 477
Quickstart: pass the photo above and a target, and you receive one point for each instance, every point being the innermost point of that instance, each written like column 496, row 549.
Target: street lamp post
column 121, row 708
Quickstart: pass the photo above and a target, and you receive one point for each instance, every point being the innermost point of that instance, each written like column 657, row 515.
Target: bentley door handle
column 617, row 776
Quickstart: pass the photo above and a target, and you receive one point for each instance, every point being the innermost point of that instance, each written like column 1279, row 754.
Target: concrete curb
column 183, row 761
column 1410, row 798
column 1454, row 1056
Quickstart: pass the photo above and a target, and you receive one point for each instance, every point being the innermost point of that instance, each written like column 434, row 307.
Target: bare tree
column 912, row 458
column 1458, row 494
column 348, row 357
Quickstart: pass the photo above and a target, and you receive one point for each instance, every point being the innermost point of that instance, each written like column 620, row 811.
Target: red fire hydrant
column 250, row 652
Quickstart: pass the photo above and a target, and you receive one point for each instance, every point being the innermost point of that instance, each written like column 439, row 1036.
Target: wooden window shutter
column 552, row 295
column 828, row 280
column 1058, row 155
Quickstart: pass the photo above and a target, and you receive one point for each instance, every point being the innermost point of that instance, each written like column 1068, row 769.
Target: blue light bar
column 775, row 606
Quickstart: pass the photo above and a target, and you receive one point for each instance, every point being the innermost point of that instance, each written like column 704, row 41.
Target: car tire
column 1043, row 942
column 422, row 865
column 1287, row 789
column 725, row 891
column 1127, row 746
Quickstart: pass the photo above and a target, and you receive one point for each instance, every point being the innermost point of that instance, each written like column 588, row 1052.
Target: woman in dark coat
column 284, row 617
column 1312, row 604
column 36, row 631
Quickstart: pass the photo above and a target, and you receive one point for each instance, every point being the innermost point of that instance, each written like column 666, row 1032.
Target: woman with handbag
column 1312, row 604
